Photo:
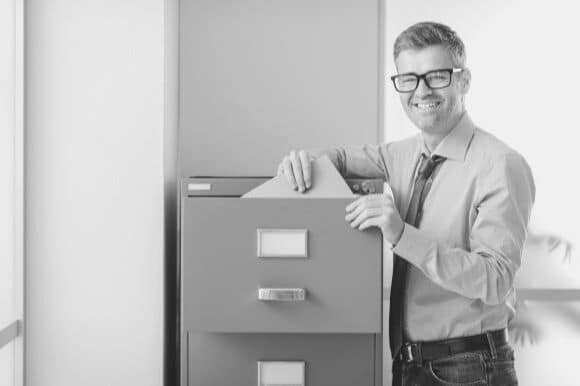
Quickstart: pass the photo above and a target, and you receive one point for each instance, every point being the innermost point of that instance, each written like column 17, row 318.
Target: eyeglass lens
column 434, row 79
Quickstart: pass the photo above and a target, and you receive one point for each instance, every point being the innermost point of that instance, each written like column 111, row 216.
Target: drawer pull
column 282, row 294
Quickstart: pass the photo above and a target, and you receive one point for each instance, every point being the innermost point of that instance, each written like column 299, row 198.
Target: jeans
column 493, row 367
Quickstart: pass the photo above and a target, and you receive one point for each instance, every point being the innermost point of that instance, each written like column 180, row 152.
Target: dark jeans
column 493, row 367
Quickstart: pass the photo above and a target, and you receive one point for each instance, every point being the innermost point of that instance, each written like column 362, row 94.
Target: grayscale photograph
column 288, row 193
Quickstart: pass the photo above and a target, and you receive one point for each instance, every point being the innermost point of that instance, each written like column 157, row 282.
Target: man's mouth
column 426, row 106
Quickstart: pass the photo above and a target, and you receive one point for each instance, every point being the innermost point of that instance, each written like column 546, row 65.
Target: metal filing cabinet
column 314, row 304
column 258, row 78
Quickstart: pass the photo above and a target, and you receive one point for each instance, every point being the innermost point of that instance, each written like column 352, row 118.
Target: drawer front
column 335, row 288
column 232, row 359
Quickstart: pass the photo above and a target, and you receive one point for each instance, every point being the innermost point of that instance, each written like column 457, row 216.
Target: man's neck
column 432, row 140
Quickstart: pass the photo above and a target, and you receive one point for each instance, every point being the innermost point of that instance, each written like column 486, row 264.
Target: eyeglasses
column 433, row 79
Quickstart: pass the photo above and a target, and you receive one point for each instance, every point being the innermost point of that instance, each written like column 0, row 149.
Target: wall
column 523, row 91
column 7, row 156
column 94, row 200
column 7, row 124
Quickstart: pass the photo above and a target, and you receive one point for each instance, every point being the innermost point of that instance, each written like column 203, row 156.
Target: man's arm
column 367, row 161
column 497, row 237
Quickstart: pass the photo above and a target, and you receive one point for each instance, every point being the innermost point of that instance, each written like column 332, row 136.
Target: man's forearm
column 354, row 161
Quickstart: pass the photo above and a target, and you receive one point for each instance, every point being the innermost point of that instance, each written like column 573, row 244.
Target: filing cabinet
column 272, row 291
column 309, row 300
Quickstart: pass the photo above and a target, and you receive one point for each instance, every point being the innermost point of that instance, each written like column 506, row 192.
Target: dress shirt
column 467, row 249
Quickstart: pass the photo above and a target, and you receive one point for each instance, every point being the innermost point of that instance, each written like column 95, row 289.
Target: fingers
column 296, row 166
column 362, row 202
column 364, row 208
column 365, row 215
column 287, row 168
column 370, row 201
column 353, row 205
column 297, row 170
column 373, row 222
column 357, row 217
column 368, row 211
column 306, row 170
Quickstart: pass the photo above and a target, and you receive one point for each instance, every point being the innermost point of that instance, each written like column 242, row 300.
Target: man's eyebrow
column 408, row 73
column 426, row 72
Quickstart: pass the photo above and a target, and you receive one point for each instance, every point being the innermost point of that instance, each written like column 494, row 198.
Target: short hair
column 425, row 34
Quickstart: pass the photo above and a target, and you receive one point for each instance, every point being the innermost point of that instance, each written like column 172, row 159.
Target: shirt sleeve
column 496, row 238
column 367, row 161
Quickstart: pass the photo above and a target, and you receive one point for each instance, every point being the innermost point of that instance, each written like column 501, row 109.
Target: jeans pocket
column 501, row 368
column 459, row 369
column 505, row 357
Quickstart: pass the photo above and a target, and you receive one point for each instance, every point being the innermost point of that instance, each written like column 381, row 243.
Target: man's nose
column 422, row 87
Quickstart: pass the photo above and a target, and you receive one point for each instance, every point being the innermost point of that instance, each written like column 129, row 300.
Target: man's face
column 432, row 111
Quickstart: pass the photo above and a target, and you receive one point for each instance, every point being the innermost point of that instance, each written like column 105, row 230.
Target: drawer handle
column 282, row 294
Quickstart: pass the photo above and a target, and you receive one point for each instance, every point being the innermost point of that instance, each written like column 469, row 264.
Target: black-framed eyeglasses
column 433, row 79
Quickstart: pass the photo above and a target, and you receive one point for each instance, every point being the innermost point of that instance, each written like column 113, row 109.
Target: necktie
column 401, row 266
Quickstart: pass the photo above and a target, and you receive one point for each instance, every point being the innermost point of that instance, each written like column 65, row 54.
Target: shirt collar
column 456, row 142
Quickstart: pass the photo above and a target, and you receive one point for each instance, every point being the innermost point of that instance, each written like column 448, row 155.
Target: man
column 456, row 217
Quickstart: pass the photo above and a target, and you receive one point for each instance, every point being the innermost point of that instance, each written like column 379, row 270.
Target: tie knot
column 429, row 164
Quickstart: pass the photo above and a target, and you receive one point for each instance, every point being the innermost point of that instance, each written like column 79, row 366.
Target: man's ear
column 465, row 80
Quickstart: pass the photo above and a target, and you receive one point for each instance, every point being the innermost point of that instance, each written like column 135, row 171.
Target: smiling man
column 456, row 214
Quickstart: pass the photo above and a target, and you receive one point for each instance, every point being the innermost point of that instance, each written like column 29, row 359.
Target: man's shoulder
column 402, row 145
column 488, row 148
column 399, row 152
column 501, row 162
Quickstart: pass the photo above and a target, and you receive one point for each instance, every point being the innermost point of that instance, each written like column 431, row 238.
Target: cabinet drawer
column 335, row 288
column 329, row 359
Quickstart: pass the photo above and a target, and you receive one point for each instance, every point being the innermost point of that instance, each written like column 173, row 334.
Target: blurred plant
column 523, row 328
column 550, row 242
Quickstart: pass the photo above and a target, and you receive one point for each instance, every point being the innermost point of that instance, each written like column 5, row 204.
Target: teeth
column 426, row 105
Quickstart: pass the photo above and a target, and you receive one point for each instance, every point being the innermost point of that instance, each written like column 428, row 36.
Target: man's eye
column 437, row 77
column 407, row 80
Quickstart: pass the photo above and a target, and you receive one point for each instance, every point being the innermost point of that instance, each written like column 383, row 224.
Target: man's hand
column 297, row 169
column 376, row 210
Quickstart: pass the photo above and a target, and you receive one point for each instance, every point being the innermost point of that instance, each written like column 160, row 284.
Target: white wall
column 94, row 199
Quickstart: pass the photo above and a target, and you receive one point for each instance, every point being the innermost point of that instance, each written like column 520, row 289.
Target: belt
column 431, row 350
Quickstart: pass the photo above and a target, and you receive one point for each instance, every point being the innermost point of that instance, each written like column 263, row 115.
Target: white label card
column 281, row 373
column 282, row 243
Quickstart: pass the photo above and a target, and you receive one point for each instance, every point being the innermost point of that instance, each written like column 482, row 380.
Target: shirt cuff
column 413, row 246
